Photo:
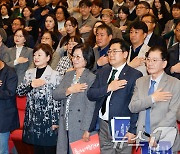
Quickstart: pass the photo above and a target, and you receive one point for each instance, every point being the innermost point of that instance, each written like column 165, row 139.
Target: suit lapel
column 163, row 81
column 123, row 72
column 13, row 53
column 23, row 52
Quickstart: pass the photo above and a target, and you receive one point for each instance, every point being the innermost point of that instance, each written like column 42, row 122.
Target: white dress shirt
column 106, row 114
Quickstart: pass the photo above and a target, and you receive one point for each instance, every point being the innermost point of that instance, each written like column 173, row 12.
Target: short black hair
column 97, row 3
column 146, row 4
column 21, row 20
column 124, row 9
column 46, row 48
column 123, row 44
column 85, row 2
column 25, row 35
column 88, row 54
column 139, row 25
column 65, row 11
column 106, row 27
column 153, row 17
column 163, row 51
column 177, row 23
column 176, row 6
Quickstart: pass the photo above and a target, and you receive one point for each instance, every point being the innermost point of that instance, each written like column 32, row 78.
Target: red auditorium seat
column 16, row 136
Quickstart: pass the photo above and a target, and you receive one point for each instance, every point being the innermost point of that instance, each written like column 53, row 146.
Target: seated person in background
column 168, row 32
column 152, row 39
column 103, row 37
column 86, row 21
column 142, row 8
column 20, row 56
column 173, row 67
column 96, row 9
column 131, row 4
column 17, row 12
column 3, row 48
column 18, row 23
column 123, row 23
column 65, row 62
column 107, row 16
column 136, row 57
column 117, row 4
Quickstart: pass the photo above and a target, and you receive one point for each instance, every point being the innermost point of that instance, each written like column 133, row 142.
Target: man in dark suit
column 9, row 119
column 173, row 68
column 152, row 39
column 112, row 99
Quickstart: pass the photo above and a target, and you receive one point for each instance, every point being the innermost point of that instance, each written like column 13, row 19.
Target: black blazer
column 156, row 40
column 173, row 59
column 9, row 119
column 120, row 99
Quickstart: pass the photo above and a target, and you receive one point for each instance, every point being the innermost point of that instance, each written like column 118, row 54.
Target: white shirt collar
column 5, row 17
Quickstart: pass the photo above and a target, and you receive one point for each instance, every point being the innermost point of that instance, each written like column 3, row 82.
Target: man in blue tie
column 156, row 98
column 112, row 90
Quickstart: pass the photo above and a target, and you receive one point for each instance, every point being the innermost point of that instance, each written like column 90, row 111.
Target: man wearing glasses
column 152, row 38
column 112, row 91
column 156, row 98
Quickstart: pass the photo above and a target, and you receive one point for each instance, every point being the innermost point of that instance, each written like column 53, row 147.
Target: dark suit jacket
column 156, row 40
column 9, row 119
column 173, row 59
column 120, row 99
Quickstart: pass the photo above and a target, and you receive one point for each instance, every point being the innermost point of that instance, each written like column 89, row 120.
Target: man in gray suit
column 156, row 98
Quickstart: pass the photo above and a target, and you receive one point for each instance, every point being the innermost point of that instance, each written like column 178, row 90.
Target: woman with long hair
column 71, row 27
column 161, row 12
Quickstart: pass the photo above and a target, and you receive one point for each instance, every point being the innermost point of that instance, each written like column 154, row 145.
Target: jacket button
column 78, row 110
column 79, row 120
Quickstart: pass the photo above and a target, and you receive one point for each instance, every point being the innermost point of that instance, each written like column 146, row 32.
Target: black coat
column 173, row 59
column 9, row 119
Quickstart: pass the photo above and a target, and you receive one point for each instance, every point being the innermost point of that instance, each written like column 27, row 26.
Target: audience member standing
column 42, row 111
column 9, row 119
column 112, row 90
column 156, row 98
column 77, row 110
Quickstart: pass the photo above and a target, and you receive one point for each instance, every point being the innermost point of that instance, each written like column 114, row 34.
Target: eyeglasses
column 114, row 51
column 77, row 57
column 153, row 60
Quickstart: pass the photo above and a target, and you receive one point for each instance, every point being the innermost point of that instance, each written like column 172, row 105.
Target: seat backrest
column 21, row 106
